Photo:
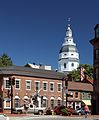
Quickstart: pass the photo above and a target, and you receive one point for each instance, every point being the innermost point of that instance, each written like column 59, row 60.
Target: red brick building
column 27, row 82
column 95, row 43
column 48, row 83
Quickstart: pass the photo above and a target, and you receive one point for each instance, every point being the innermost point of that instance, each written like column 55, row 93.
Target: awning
column 87, row 102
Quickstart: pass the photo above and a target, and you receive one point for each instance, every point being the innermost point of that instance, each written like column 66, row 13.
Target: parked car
column 30, row 109
column 4, row 117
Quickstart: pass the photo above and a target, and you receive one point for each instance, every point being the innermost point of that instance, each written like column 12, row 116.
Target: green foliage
column 5, row 60
column 75, row 74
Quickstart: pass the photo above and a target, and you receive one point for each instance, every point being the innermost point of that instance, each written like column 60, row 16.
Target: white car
column 31, row 109
column 4, row 117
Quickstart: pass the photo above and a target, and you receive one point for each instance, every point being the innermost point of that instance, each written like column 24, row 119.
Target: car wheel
column 40, row 112
column 20, row 112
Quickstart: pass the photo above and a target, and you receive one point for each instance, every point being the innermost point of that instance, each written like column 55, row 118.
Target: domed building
column 68, row 55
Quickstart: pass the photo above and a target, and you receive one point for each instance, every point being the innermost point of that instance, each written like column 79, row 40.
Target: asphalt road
column 51, row 118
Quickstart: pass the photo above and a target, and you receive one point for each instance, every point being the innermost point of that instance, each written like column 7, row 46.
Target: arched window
column 44, row 101
column 64, row 65
column 72, row 64
column 17, row 101
column 52, row 102
column 58, row 102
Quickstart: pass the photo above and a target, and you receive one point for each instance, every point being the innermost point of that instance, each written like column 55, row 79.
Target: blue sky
column 34, row 30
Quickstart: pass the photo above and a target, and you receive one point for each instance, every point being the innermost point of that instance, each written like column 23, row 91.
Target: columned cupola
column 68, row 55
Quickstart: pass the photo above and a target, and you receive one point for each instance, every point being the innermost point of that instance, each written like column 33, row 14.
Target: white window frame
column 6, row 79
column 46, row 85
column 58, row 87
column 19, row 83
column 50, row 86
column 29, row 84
column 38, row 85
column 5, row 107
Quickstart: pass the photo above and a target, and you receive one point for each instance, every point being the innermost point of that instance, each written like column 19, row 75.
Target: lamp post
column 66, row 85
column 11, row 83
column 65, row 79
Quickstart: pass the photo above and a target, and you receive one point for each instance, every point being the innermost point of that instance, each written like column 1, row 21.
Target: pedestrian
column 86, row 110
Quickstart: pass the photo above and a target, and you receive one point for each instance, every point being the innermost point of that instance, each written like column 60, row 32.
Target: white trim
column 45, row 98
column 45, row 82
column 30, row 84
column 51, row 82
column 26, row 97
column 35, row 84
column 19, row 83
column 36, row 81
column 52, row 98
column 50, row 86
column 59, row 98
column 61, row 87
column 16, row 97
column 46, row 86
column 5, row 100
column 4, row 82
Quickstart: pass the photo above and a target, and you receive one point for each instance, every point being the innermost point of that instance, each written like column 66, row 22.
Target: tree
column 75, row 74
column 5, row 60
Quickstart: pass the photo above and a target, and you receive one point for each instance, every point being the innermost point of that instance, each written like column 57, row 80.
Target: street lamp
column 65, row 79
column 11, row 83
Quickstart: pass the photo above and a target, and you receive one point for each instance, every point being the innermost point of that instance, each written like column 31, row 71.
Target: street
column 52, row 118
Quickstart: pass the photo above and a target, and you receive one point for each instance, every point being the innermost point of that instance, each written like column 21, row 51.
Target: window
column 71, row 93
column 52, row 103
column 28, row 85
column 72, row 64
column 17, row 102
column 58, row 102
column 52, row 87
column 7, row 103
column 96, row 53
column 44, row 86
column 59, row 87
column 64, row 65
column 97, row 72
column 88, row 95
column 44, row 102
column 37, row 85
column 7, row 84
column 17, row 84
column 76, row 94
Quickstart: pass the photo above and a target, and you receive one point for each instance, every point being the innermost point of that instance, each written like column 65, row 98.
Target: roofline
column 31, row 72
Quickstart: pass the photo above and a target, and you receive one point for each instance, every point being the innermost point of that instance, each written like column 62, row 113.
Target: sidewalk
column 72, row 116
